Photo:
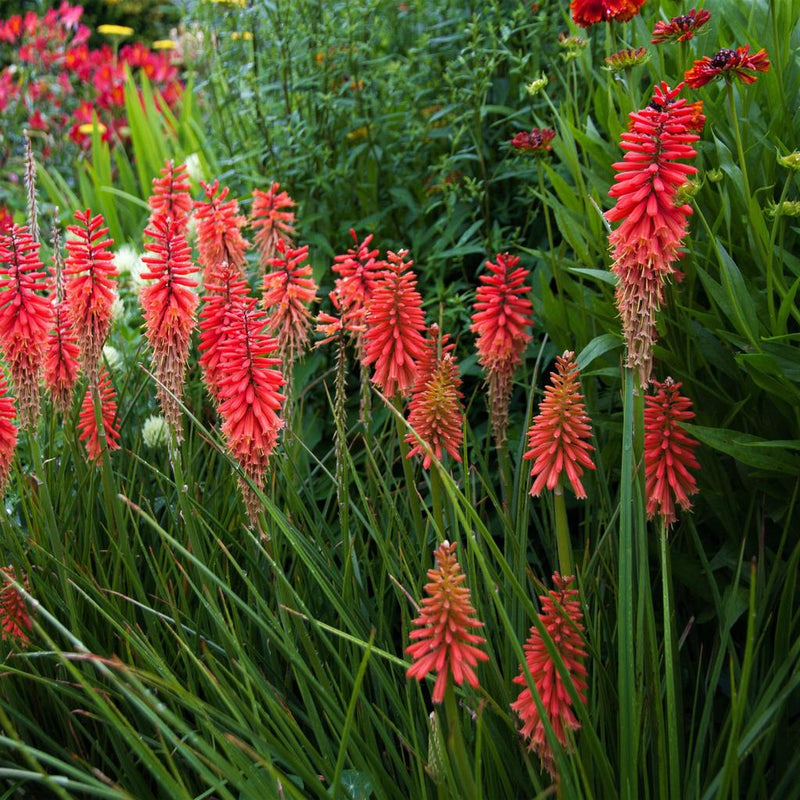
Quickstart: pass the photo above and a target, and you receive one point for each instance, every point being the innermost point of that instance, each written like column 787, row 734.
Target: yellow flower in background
column 114, row 30
column 246, row 35
column 164, row 44
column 240, row 3
column 88, row 127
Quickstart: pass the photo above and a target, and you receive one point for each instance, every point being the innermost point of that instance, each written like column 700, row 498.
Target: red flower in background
column 562, row 618
column 394, row 339
column 681, row 28
column 289, row 288
column 87, row 423
column 668, row 451
column 649, row 238
column 435, row 411
column 728, row 64
column 90, row 273
column 536, row 143
column 273, row 221
column 25, row 318
column 589, row 12
column 219, row 229
column 559, row 436
column 8, row 434
column 502, row 318
column 15, row 621
column 441, row 641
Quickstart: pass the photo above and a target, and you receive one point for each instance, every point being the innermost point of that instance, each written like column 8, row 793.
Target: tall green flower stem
column 563, row 542
column 436, row 498
column 408, row 469
column 456, row 748
column 669, row 665
column 632, row 443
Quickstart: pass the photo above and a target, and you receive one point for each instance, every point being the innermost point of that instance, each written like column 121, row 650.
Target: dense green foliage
column 178, row 654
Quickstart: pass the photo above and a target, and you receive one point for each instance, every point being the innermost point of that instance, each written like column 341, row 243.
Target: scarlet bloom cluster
column 249, row 396
column 289, row 289
column 562, row 618
column 273, row 221
column 558, row 439
column 358, row 270
column 15, row 621
column 435, row 411
column 89, row 270
column 648, row 241
column 219, row 229
column 8, row 434
column 441, row 641
column 169, row 305
column 536, row 142
column 25, row 317
column 589, row 12
column 668, row 451
column 171, row 195
column 394, row 339
column 681, row 28
column 61, row 362
column 89, row 433
column 501, row 319
column 728, row 64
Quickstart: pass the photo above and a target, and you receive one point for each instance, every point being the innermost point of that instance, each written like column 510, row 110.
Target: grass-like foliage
column 522, row 521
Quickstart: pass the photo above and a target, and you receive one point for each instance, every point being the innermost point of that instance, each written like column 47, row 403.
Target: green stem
column 625, row 637
column 548, row 225
column 436, row 497
column 562, row 533
column 408, row 472
column 456, row 747
column 670, row 667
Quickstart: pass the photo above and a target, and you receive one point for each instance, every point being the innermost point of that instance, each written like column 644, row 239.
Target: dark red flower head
column 535, row 143
column 681, row 28
column 729, row 64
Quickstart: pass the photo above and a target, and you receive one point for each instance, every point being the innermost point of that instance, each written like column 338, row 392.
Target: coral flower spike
column 668, row 451
column 15, row 621
column 25, row 318
column 562, row 618
column 171, row 195
column 652, row 223
column 394, row 339
column 435, row 411
column 8, row 434
column 273, row 221
column 90, row 271
column 442, row 643
column 559, row 436
column 87, row 422
column 219, row 229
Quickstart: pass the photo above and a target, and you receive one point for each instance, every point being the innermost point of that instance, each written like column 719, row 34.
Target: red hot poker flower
column 394, row 339
column 289, row 288
column 729, row 64
column 648, row 240
column 559, row 436
column 249, row 396
column 501, row 318
column 219, row 229
column 273, row 221
column 681, row 28
column 441, row 641
column 87, row 424
column 435, row 411
column 8, row 434
column 563, row 619
column 25, row 317
column 225, row 290
column 15, row 621
column 90, row 271
column 171, row 195
column 589, row 12
column 169, row 305
column 359, row 270
column 61, row 362
column 668, row 451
